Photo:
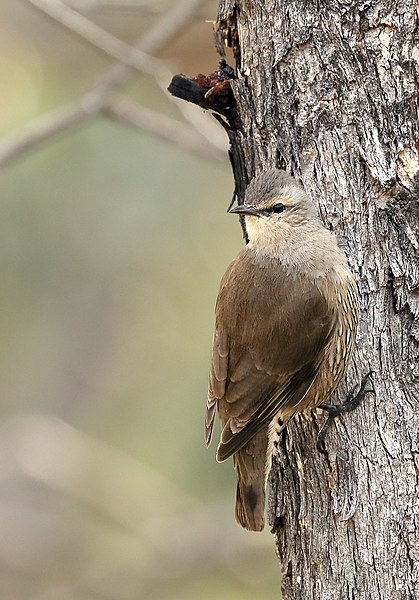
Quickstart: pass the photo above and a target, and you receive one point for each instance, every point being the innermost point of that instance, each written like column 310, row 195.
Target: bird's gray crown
column 271, row 184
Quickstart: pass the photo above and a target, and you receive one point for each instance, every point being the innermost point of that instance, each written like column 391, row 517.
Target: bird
column 285, row 322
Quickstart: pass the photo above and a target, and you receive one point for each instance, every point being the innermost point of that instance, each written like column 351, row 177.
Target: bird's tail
column 251, row 465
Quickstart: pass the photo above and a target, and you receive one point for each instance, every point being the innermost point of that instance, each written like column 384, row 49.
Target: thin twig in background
column 47, row 127
column 169, row 24
column 101, row 39
column 127, row 111
column 98, row 98
column 135, row 58
column 152, row 6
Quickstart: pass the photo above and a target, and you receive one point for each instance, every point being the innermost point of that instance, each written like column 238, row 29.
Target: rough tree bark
column 328, row 90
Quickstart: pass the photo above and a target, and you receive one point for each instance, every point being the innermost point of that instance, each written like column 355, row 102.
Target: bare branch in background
column 101, row 39
column 151, row 6
column 160, row 125
column 99, row 98
column 47, row 127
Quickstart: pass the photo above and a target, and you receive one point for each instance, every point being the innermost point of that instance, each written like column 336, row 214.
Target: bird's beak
column 245, row 209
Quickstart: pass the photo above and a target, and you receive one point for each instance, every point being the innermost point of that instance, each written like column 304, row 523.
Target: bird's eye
column 278, row 208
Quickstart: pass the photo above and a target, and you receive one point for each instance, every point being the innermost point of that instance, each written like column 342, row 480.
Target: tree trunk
column 328, row 91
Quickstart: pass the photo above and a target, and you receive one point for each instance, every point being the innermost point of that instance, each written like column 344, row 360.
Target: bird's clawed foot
column 335, row 410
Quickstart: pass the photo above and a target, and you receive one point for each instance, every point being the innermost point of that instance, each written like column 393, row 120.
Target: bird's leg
column 334, row 411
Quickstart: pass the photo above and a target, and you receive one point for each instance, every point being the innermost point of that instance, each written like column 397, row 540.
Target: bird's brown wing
column 267, row 349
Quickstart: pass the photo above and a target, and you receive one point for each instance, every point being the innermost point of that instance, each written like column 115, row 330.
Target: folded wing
column 267, row 350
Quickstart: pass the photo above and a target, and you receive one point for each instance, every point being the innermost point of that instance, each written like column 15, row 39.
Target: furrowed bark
column 328, row 91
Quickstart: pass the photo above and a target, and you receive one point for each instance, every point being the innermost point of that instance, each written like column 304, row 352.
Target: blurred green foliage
column 112, row 247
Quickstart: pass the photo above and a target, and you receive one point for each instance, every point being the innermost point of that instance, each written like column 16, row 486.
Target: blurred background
column 113, row 241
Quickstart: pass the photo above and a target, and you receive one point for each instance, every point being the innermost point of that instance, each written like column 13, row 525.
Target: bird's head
column 276, row 207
